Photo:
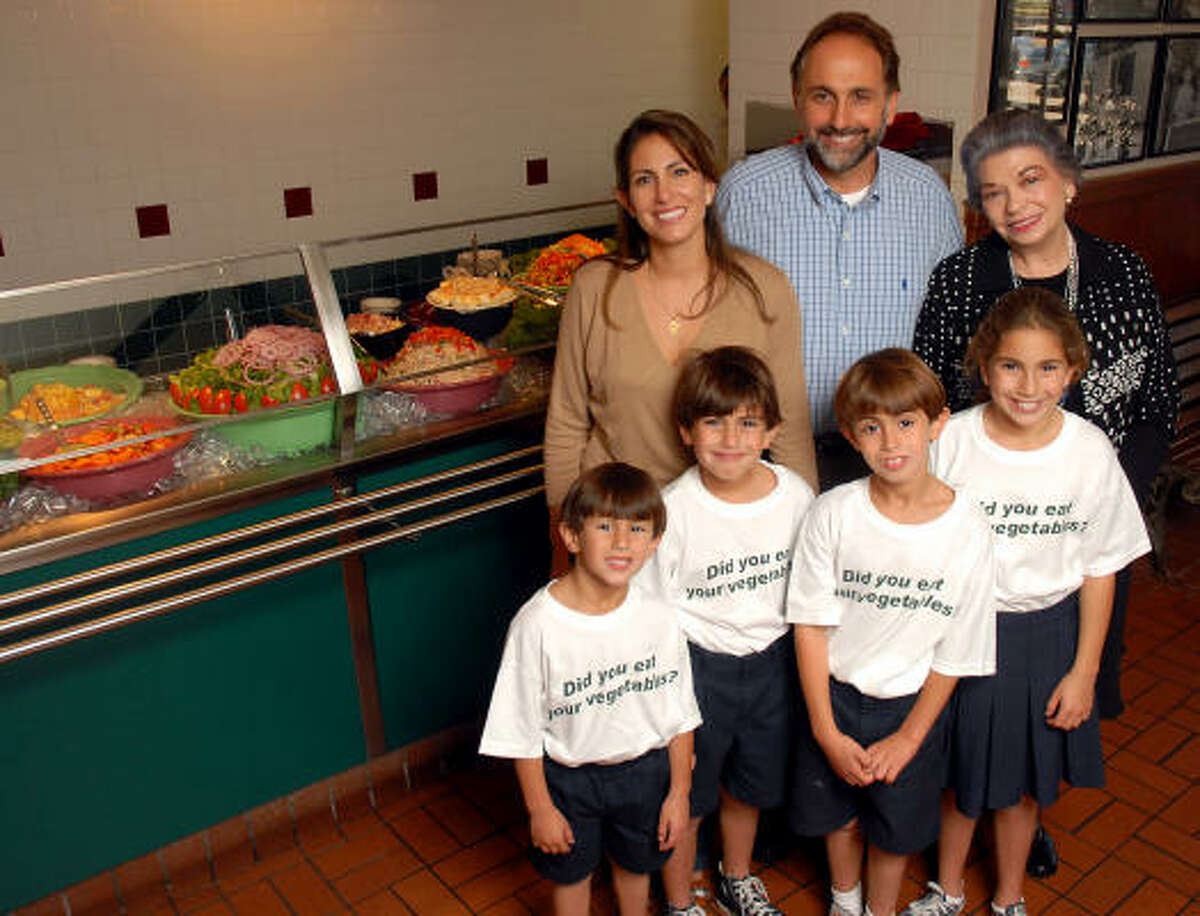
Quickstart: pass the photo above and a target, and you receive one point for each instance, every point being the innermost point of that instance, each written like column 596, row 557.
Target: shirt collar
column 823, row 194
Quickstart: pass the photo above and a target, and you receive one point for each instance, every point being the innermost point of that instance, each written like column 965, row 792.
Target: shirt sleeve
column 515, row 718
column 811, row 585
column 1116, row 532
column 659, row 578
column 690, row 718
column 948, row 234
column 969, row 647
column 568, row 422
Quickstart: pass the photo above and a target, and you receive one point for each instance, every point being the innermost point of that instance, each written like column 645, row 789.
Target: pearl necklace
column 1071, row 293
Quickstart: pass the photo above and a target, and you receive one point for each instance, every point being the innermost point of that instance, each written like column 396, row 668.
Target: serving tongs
column 44, row 410
column 542, row 294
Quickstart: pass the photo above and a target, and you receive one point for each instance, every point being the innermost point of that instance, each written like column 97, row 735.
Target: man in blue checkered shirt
column 856, row 228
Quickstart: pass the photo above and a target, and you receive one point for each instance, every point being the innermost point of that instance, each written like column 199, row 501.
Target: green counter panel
column 120, row 744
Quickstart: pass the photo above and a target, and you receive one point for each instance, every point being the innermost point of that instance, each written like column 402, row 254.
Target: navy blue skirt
column 1001, row 747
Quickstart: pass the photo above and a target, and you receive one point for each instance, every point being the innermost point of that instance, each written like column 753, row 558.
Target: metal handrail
column 173, row 603
column 115, row 593
column 124, row 567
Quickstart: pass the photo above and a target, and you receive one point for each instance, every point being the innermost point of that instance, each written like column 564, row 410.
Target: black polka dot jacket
column 1131, row 390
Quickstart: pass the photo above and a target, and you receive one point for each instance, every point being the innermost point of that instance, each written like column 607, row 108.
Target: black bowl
column 384, row 346
column 482, row 324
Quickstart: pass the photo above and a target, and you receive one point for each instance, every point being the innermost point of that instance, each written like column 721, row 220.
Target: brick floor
column 452, row 844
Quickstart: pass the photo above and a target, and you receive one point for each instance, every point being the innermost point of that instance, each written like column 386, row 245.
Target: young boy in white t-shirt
column 594, row 701
column 891, row 596
column 723, row 562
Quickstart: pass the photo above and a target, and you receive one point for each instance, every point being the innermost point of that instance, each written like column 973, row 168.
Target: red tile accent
column 475, row 860
column 1112, row 826
column 425, row 185
column 142, row 886
column 351, row 794
column 1152, row 897
column 427, row 838
column 1076, row 805
column 385, row 903
column 365, row 881
column 1185, row 812
column 305, row 891
column 231, row 848
column 153, row 220
column 261, row 870
column 297, row 202
column 1107, row 886
column 462, row 819
column 186, row 864
column 366, row 846
column 499, row 882
column 1153, row 861
column 98, row 893
column 537, row 171
column 1158, row 741
column 1186, row 760
column 428, row 896
column 259, row 899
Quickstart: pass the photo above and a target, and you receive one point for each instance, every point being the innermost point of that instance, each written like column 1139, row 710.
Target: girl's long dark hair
column 633, row 245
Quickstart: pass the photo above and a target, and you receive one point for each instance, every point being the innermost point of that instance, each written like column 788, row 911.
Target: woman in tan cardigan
column 674, row 286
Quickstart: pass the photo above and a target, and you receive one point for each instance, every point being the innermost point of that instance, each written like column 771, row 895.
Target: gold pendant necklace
column 673, row 324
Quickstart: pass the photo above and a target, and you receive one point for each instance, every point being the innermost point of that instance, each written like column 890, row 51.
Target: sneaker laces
column 935, row 902
column 751, row 896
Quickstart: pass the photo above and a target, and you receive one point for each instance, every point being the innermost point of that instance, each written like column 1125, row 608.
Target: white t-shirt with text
column 725, row 565
column 583, row 688
column 902, row 599
column 1059, row 513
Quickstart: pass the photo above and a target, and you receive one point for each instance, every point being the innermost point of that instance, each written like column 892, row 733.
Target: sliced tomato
column 299, row 392
column 177, row 395
column 368, row 371
column 223, row 401
column 240, row 404
column 268, row 401
column 328, row 386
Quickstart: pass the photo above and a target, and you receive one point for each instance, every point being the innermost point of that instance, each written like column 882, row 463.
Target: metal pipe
column 93, row 599
column 163, row 606
column 125, row 567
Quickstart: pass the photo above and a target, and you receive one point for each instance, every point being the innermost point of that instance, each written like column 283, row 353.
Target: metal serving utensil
column 542, row 294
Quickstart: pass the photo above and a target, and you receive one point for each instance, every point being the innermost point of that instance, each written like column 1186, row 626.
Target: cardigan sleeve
column 568, row 421
column 793, row 445
column 1155, row 406
column 943, row 328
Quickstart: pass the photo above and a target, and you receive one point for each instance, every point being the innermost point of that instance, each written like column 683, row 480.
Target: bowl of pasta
column 447, row 371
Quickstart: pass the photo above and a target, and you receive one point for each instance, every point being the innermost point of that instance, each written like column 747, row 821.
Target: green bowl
column 278, row 430
column 119, row 380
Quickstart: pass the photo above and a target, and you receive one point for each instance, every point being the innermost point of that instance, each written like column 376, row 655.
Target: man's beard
column 839, row 161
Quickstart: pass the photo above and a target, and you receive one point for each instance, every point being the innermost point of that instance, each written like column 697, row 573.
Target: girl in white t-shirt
column 1064, row 521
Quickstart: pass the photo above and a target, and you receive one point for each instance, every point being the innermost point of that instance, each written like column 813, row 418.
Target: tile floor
column 454, row 845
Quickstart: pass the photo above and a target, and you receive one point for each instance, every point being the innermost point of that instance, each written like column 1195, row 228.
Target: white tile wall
column 215, row 106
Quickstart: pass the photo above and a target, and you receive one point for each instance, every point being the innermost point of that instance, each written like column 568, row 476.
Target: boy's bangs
column 615, row 490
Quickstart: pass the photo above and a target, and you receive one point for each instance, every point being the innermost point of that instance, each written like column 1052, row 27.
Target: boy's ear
column 770, row 436
column 938, row 423
column 685, row 436
column 569, row 536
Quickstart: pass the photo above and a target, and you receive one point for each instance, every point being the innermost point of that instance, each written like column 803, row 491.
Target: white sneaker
column 936, row 902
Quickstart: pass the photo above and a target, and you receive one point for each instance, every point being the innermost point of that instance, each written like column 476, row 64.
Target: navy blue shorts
column 746, row 702
column 1001, row 747
column 901, row 818
column 612, row 809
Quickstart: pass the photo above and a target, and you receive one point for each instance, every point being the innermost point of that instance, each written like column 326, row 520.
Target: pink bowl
column 456, row 398
column 133, row 477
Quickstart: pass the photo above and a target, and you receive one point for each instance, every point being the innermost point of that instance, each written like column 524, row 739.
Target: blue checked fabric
column 859, row 272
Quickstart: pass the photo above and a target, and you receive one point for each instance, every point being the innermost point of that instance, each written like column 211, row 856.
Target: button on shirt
column 859, row 271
